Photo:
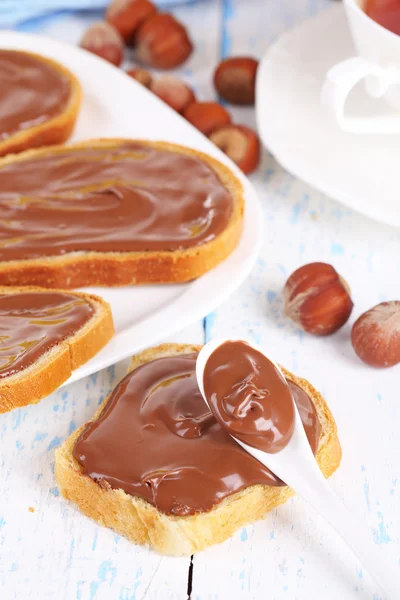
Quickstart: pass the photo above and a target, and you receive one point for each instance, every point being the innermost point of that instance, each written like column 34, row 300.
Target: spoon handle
column 352, row 531
column 308, row 481
column 295, row 464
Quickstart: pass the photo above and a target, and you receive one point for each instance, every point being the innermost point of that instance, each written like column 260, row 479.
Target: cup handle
column 339, row 82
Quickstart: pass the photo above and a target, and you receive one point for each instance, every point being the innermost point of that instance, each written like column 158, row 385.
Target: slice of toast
column 143, row 523
column 54, row 130
column 117, row 268
column 54, row 366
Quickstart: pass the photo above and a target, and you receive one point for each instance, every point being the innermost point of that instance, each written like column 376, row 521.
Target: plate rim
column 285, row 158
column 158, row 322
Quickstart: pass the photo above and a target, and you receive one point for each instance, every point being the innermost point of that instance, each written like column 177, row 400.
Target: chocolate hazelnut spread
column 130, row 197
column 32, row 323
column 249, row 396
column 32, row 92
column 156, row 439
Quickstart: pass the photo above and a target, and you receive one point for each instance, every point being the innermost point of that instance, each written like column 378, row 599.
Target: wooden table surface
column 49, row 550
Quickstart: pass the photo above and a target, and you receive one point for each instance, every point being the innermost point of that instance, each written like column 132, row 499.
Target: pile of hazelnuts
column 318, row 299
column 160, row 41
column 315, row 296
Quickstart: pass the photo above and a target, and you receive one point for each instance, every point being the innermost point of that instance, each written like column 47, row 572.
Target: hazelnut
column 240, row 143
column 317, row 298
column 173, row 92
column 235, row 80
column 105, row 41
column 162, row 42
column 142, row 76
column 376, row 335
column 127, row 15
column 207, row 116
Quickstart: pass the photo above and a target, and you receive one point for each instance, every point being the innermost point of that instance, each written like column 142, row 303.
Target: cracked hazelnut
column 240, row 143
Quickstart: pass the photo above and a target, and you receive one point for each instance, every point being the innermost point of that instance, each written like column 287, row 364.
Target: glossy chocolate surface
column 249, row 396
column 32, row 323
column 157, row 439
column 123, row 199
column 31, row 92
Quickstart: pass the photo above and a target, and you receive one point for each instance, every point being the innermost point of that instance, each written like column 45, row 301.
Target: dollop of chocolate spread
column 127, row 198
column 32, row 323
column 32, row 92
column 156, row 439
column 249, row 396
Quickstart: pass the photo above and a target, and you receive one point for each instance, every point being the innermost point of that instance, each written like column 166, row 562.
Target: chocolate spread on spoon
column 249, row 396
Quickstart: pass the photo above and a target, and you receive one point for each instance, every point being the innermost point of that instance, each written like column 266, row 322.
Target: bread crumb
column 31, row 509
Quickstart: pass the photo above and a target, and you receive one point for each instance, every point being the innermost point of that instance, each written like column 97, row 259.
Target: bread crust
column 82, row 269
column 143, row 523
column 55, row 366
column 57, row 129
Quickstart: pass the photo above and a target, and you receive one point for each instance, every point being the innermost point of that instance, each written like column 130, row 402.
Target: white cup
column 378, row 63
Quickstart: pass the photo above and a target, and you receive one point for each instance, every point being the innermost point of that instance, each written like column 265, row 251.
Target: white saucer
column 114, row 105
column 360, row 171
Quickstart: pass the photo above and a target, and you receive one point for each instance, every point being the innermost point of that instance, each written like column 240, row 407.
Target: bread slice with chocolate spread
column 45, row 335
column 164, row 520
column 39, row 103
column 115, row 212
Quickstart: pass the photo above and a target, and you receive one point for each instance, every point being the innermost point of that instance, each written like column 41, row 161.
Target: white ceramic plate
column 358, row 170
column 116, row 106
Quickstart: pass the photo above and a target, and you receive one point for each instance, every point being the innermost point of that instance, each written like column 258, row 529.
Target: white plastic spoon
column 296, row 466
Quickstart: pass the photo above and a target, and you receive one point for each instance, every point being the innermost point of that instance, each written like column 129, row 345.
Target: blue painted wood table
column 49, row 550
